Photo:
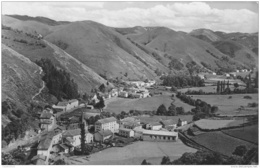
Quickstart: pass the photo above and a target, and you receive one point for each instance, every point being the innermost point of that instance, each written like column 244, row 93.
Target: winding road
column 43, row 85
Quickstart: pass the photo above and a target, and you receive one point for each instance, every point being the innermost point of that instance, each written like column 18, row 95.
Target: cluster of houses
column 137, row 90
column 62, row 140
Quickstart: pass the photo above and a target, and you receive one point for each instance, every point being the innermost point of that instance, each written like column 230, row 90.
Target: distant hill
column 242, row 47
column 184, row 47
column 105, row 51
column 43, row 20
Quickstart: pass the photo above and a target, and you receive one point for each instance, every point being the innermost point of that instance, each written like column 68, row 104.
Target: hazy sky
column 184, row 16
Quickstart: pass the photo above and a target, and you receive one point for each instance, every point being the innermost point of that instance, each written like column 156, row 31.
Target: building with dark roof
column 102, row 135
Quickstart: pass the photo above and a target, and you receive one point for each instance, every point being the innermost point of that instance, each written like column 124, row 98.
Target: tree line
column 182, row 81
column 201, row 110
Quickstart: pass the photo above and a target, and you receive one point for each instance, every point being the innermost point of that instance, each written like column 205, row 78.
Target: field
column 230, row 106
column 117, row 104
column 207, row 89
column 220, row 142
column 249, row 133
column 205, row 124
column 135, row 153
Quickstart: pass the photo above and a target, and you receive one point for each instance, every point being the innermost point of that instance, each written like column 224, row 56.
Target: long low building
column 149, row 135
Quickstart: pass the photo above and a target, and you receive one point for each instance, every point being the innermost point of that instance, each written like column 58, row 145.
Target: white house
column 181, row 123
column 168, row 123
column 107, row 124
column 73, row 137
column 145, row 94
column 103, row 135
column 67, row 105
column 47, row 120
column 213, row 73
column 123, row 94
column 45, row 147
column 154, row 126
column 126, row 132
column 150, row 135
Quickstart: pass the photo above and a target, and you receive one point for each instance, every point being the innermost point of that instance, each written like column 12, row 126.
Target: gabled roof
column 105, row 133
column 42, row 157
column 65, row 103
column 155, row 123
column 71, row 133
column 46, row 115
column 107, row 120
column 45, row 143
column 69, row 139
column 46, row 122
column 64, row 146
column 168, row 122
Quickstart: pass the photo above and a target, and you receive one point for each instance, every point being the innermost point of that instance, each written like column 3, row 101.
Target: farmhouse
column 107, row 124
column 45, row 147
column 149, row 135
column 181, row 123
column 167, row 123
column 46, row 120
column 154, row 126
column 123, row 94
column 72, row 137
column 126, row 132
column 67, row 105
column 102, row 135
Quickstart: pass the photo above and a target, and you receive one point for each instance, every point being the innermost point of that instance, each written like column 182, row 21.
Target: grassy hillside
column 21, row 78
column 35, row 49
column 183, row 47
column 205, row 34
column 105, row 51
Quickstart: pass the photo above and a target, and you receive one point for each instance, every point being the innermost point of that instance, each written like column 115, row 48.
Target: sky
column 224, row 16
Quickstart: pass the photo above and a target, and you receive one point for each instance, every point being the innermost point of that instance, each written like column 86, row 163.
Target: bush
column 247, row 97
column 230, row 97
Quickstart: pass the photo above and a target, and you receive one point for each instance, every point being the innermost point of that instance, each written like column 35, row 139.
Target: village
column 63, row 136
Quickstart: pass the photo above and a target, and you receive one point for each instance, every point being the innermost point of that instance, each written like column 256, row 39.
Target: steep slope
column 237, row 51
column 21, row 78
column 35, row 49
column 29, row 26
column 242, row 47
column 105, row 51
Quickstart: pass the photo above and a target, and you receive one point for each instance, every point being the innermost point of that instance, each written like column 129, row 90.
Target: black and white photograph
column 130, row 83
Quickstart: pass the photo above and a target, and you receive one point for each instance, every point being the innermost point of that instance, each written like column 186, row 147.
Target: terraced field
column 219, row 142
column 249, row 133
column 206, row 124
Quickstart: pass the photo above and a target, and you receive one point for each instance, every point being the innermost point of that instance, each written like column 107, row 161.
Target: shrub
column 230, row 97
column 247, row 97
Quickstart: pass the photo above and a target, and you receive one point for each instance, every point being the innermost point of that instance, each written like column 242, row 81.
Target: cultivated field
column 230, row 106
column 205, row 124
column 249, row 133
column 135, row 153
column 117, row 105
column 220, row 142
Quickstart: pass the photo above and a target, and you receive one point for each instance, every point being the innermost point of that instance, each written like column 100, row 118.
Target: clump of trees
column 201, row 110
column 58, row 81
column 172, row 110
column 182, row 81
column 175, row 64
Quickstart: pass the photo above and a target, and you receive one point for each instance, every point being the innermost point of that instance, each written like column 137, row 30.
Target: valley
column 86, row 93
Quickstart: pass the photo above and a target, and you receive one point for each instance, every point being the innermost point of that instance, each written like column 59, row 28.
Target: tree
column 240, row 150
column 256, row 79
column 165, row 160
column 180, row 110
column 218, row 87
column 144, row 162
column 82, row 136
column 102, row 88
column 236, row 85
column 161, row 110
column 214, row 109
column 172, row 110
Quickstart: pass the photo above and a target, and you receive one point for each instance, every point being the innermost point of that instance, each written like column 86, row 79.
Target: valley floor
column 135, row 153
